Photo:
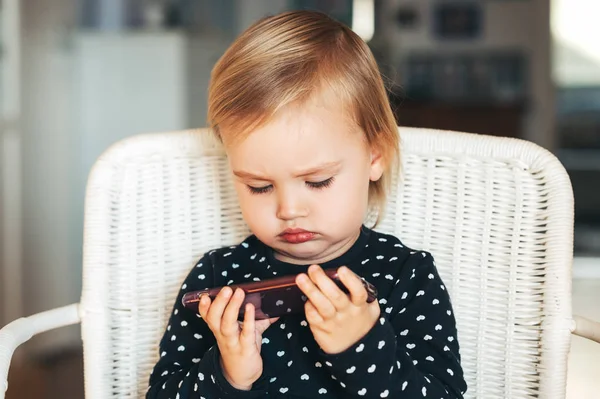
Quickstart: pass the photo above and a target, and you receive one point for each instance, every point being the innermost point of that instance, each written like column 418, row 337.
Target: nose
column 290, row 206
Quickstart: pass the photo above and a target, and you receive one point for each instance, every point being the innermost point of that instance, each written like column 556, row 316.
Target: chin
column 303, row 253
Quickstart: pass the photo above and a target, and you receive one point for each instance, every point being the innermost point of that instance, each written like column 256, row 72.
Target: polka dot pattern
column 411, row 352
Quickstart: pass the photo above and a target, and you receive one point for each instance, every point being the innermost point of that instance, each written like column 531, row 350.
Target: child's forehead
column 306, row 125
column 320, row 113
column 285, row 148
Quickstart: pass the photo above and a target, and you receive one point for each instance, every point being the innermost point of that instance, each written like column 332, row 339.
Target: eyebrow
column 327, row 166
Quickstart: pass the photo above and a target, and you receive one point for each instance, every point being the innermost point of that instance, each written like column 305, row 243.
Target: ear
column 377, row 165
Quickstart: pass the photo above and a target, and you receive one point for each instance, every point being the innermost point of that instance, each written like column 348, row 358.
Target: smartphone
column 274, row 297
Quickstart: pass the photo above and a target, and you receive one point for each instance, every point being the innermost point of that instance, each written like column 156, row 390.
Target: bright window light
column 576, row 33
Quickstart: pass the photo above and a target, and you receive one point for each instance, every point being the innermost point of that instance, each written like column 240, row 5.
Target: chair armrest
column 21, row 330
column 586, row 328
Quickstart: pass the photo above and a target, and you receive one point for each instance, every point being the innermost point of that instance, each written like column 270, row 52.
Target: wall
column 51, row 257
column 203, row 51
column 10, row 164
column 126, row 84
column 248, row 12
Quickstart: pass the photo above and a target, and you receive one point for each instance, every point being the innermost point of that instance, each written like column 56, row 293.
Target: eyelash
column 320, row 184
column 314, row 185
column 259, row 190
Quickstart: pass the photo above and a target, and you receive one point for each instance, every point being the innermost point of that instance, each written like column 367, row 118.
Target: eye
column 260, row 190
column 320, row 184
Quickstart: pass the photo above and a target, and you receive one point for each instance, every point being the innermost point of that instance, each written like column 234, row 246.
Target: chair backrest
column 496, row 213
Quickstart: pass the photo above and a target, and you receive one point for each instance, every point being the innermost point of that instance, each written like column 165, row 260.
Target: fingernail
column 226, row 291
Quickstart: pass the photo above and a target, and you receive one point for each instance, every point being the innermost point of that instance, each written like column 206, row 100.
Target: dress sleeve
column 412, row 351
column 189, row 364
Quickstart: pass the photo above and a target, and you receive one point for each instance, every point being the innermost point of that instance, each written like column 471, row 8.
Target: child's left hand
column 337, row 320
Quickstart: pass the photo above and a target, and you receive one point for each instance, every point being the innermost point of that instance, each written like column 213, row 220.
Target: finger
column 215, row 312
column 312, row 315
column 319, row 300
column 204, row 305
column 229, row 321
column 358, row 292
column 248, row 335
column 329, row 288
column 375, row 308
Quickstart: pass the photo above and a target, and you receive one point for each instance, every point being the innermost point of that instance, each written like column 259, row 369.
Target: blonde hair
column 288, row 58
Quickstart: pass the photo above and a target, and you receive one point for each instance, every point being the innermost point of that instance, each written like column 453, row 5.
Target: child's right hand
column 239, row 345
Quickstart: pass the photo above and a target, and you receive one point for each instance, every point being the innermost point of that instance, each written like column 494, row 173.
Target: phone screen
column 275, row 302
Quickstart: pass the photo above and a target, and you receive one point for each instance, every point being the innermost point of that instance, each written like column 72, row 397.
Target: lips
column 296, row 236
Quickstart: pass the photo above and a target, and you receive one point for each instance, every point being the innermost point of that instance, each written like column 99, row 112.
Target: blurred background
column 78, row 75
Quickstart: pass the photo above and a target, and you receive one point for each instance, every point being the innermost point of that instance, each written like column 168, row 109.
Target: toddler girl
column 301, row 109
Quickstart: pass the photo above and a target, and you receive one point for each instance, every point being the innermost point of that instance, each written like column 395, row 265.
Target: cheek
column 254, row 207
column 248, row 201
column 347, row 195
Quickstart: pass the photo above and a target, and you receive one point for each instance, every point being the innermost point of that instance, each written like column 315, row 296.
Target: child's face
column 307, row 171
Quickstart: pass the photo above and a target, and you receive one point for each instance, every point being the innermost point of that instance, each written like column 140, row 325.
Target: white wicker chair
column 496, row 213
